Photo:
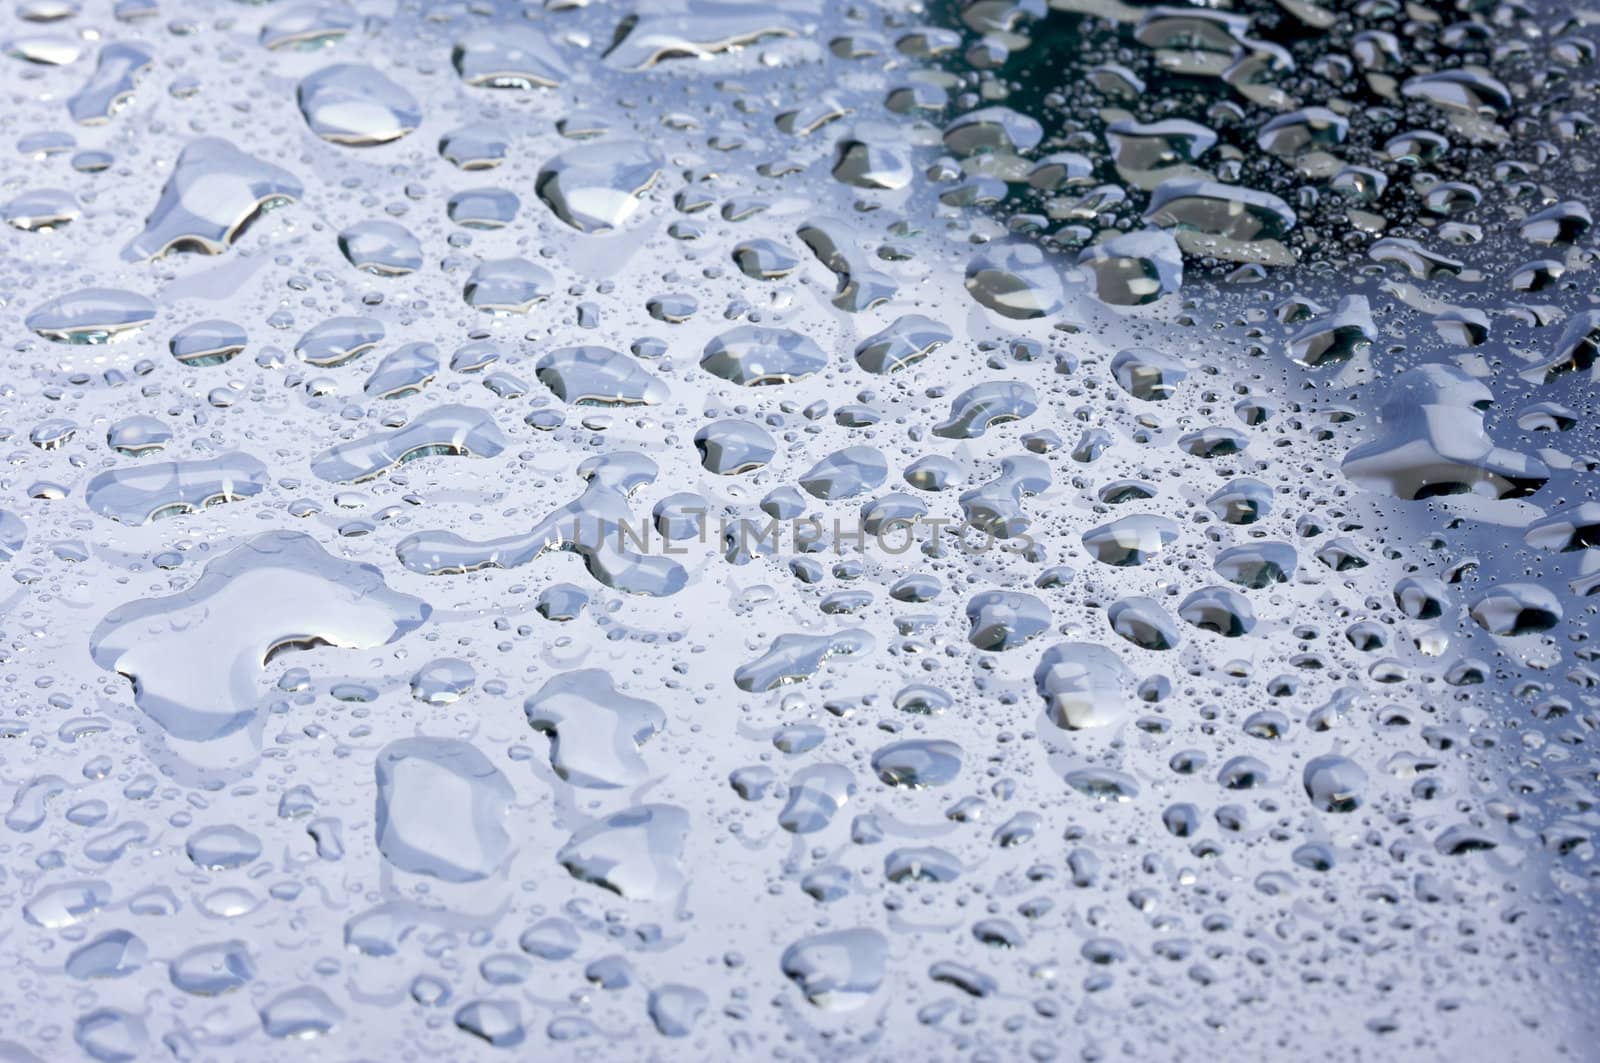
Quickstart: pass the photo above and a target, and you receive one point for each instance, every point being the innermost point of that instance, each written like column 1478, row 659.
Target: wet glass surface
column 819, row 530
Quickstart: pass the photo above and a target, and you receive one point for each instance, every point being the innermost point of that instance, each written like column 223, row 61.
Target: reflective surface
column 811, row 530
